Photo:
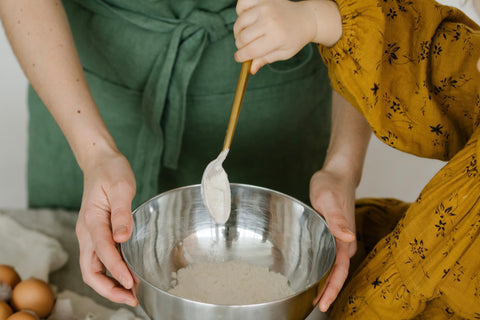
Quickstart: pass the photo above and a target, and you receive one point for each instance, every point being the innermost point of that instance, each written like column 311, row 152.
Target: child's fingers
column 243, row 5
column 258, row 48
column 276, row 55
column 244, row 20
column 256, row 65
column 250, row 51
column 248, row 36
column 268, row 58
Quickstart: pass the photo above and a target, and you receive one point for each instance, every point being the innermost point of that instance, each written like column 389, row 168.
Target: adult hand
column 105, row 219
column 333, row 196
column 271, row 30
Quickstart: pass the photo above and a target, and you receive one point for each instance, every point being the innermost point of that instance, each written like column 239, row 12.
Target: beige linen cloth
column 34, row 254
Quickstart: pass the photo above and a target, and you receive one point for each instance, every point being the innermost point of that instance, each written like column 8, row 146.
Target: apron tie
column 213, row 23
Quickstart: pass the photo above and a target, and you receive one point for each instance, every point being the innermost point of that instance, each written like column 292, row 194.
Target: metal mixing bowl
column 265, row 228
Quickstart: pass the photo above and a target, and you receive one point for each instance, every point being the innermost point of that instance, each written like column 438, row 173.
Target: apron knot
column 213, row 23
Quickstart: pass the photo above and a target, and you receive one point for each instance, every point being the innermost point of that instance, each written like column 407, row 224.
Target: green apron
column 163, row 76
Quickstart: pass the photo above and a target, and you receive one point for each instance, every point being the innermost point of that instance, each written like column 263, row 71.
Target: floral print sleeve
column 410, row 68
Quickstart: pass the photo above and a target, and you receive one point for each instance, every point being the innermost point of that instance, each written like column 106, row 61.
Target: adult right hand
column 105, row 220
column 49, row 58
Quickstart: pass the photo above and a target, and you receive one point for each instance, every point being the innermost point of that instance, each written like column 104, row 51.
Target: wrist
column 92, row 153
column 91, row 142
column 327, row 21
column 307, row 20
column 344, row 166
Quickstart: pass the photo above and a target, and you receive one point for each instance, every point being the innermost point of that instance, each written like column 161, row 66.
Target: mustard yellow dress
column 410, row 68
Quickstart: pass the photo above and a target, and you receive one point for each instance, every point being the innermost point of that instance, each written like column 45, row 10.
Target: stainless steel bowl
column 265, row 228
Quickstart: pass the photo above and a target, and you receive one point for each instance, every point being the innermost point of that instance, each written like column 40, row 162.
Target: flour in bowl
column 230, row 283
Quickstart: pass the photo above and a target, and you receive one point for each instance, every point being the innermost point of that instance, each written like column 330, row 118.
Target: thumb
column 339, row 227
column 336, row 220
column 121, row 197
column 256, row 65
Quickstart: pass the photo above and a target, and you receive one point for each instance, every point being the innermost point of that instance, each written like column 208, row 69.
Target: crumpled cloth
column 31, row 253
column 34, row 254
column 71, row 306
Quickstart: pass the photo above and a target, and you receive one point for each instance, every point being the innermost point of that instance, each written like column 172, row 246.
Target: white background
column 387, row 172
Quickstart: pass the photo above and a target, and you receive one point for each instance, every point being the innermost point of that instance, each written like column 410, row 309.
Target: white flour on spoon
column 216, row 192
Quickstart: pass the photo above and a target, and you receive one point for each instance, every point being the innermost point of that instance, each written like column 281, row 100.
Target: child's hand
column 271, row 30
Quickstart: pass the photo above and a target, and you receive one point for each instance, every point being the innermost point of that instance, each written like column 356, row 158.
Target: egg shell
column 35, row 295
column 22, row 315
column 9, row 276
column 5, row 310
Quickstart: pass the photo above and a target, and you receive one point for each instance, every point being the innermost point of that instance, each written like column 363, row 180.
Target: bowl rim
column 297, row 293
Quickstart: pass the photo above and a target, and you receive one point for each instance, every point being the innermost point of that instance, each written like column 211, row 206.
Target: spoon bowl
column 215, row 189
column 215, row 185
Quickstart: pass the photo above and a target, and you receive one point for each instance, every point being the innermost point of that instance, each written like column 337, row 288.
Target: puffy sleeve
column 410, row 68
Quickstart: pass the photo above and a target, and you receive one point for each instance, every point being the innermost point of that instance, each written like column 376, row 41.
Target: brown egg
column 9, row 276
column 23, row 315
column 5, row 310
column 35, row 295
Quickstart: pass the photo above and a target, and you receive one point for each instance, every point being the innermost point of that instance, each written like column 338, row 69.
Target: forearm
column 41, row 39
column 349, row 140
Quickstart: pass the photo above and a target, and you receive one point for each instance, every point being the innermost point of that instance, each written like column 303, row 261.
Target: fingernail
column 323, row 307
column 120, row 230
column 131, row 302
column 123, row 282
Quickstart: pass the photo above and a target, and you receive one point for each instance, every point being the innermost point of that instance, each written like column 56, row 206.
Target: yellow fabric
column 410, row 68
column 432, row 252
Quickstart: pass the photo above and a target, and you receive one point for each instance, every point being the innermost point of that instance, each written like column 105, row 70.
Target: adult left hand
column 333, row 196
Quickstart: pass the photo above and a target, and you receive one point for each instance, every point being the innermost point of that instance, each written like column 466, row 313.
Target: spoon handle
column 237, row 103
